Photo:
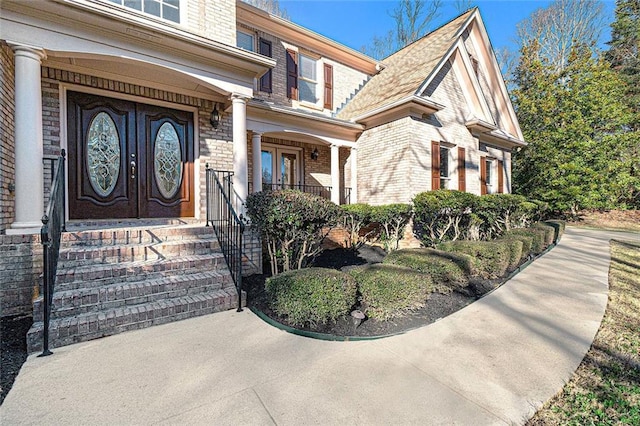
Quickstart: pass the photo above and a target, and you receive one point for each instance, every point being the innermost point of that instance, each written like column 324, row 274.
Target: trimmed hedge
column 389, row 291
column 490, row 258
column 443, row 267
column 312, row 295
column 549, row 232
column 515, row 251
column 538, row 238
column 526, row 240
column 558, row 225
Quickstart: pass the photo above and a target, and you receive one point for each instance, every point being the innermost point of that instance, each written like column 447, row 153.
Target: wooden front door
column 128, row 160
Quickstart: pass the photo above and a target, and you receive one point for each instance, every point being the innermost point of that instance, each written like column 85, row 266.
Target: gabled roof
column 406, row 70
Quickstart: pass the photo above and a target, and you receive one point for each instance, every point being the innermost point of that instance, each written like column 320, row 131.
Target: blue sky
column 355, row 22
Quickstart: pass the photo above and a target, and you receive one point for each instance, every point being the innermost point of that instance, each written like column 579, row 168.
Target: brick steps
column 93, row 325
column 117, row 279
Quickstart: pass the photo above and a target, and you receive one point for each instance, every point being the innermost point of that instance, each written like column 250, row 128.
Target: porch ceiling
column 136, row 72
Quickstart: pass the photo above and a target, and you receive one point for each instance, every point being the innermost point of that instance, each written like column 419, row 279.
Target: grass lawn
column 605, row 389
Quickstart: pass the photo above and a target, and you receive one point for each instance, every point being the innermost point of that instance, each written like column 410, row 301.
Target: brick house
column 130, row 94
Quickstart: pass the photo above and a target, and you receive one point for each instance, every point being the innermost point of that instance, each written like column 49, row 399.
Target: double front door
column 128, row 160
column 281, row 168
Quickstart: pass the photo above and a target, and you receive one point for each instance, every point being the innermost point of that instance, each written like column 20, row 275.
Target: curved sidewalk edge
column 494, row 362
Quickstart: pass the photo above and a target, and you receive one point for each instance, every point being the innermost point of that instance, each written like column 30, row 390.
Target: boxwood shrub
column 490, row 258
column 549, row 232
column 389, row 291
column 312, row 295
column 515, row 251
column 526, row 240
column 538, row 238
column 446, row 269
column 558, row 225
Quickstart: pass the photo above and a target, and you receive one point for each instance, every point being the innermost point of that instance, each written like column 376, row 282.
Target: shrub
column 357, row 220
column 490, row 258
column 549, row 232
column 292, row 225
column 389, row 291
column 527, row 242
column 515, row 251
column 312, row 295
column 537, row 235
column 442, row 215
column 393, row 218
column 559, row 226
column 499, row 213
column 445, row 269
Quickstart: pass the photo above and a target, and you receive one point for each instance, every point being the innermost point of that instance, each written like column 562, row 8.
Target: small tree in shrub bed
column 292, row 224
column 490, row 258
column 446, row 269
column 392, row 218
column 357, row 221
column 442, row 215
column 388, row 291
column 311, row 295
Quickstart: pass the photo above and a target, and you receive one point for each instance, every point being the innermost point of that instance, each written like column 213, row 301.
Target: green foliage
column 490, row 258
column 501, row 212
column 292, row 225
column 538, row 237
column 357, row 221
column 312, row 295
column 389, row 291
column 446, row 269
column 526, row 240
column 392, row 218
column 579, row 153
column 515, row 247
column 549, row 232
column 559, row 226
column 442, row 215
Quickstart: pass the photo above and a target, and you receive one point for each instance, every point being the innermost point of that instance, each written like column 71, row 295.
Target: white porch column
column 354, row 176
column 240, row 150
column 256, row 141
column 29, row 197
column 335, row 174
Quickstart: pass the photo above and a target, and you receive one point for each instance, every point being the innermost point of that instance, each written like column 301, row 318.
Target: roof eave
column 426, row 106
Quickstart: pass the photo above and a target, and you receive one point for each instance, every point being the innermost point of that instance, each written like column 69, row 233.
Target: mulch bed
column 437, row 306
column 13, row 348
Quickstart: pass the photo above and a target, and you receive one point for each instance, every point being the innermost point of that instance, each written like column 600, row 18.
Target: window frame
column 249, row 34
column 301, row 77
column 181, row 8
column 489, row 172
column 445, row 180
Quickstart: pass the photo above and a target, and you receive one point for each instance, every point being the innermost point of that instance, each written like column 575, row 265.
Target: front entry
column 281, row 167
column 128, row 160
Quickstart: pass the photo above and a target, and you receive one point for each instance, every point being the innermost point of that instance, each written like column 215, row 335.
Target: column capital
column 28, row 51
column 237, row 97
column 255, row 134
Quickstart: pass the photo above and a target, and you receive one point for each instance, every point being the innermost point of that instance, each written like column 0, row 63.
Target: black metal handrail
column 227, row 224
column 319, row 190
column 53, row 225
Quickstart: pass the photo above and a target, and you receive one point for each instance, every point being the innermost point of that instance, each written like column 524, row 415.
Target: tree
column 463, row 5
column 624, row 52
column 412, row 19
column 574, row 120
column 271, row 6
column 561, row 25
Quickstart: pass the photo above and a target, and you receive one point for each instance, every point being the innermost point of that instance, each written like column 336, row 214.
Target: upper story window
column 245, row 41
column 165, row 9
column 307, row 79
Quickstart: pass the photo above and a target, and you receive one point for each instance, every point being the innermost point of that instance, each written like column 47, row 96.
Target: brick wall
column 20, row 269
column 7, row 145
column 213, row 19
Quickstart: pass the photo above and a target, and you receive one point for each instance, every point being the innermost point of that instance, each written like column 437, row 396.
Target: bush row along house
column 142, row 95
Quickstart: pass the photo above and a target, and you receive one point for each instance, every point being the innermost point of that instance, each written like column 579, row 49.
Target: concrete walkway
column 493, row 362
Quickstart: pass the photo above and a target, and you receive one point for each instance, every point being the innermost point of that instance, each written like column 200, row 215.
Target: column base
column 24, row 228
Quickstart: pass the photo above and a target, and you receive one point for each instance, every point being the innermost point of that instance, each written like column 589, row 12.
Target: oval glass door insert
column 103, row 154
column 167, row 160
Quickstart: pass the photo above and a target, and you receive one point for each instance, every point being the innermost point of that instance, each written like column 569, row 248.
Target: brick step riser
column 69, row 279
column 71, row 330
column 125, row 237
column 107, row 255
column 65, row 305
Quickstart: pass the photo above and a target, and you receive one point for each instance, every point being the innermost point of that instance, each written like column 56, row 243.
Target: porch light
column 314, row 154
column 215, row 116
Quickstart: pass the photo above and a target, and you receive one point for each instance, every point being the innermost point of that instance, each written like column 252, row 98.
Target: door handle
column 133, row 169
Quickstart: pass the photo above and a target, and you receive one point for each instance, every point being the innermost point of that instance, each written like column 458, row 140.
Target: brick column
column 29, row 198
